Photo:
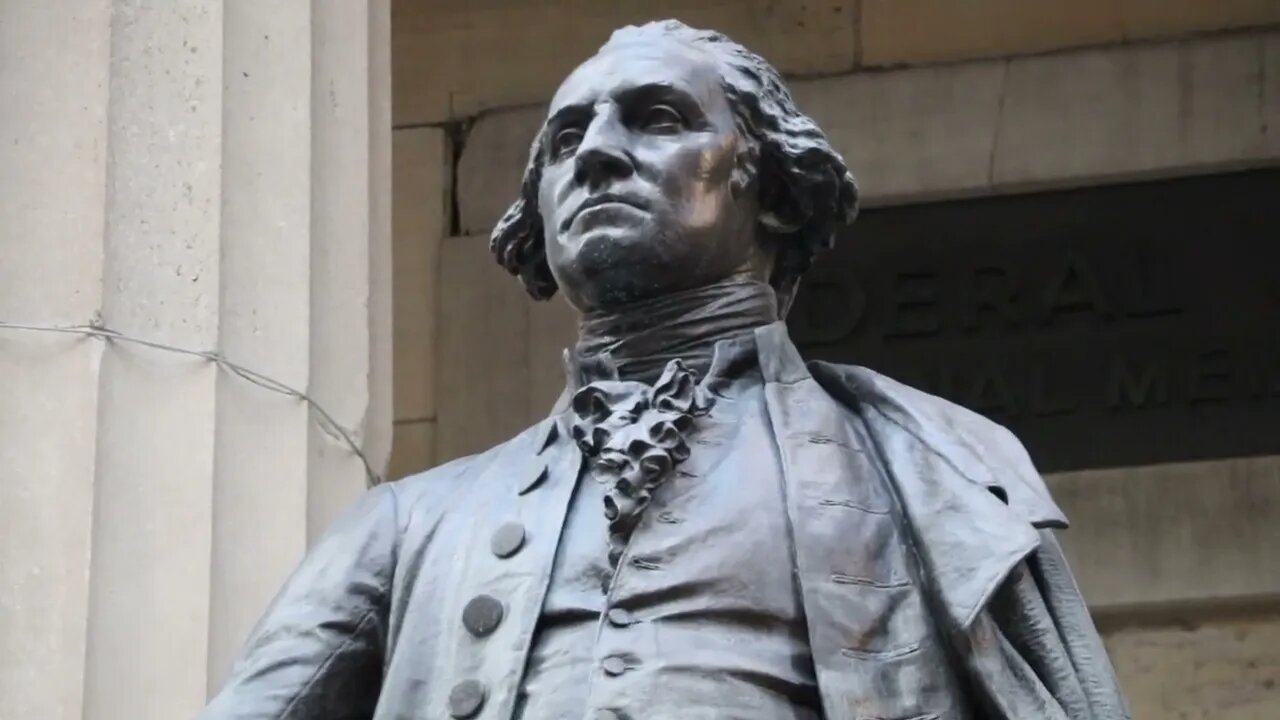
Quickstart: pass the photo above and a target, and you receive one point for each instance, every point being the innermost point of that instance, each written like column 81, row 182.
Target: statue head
column 672, row 159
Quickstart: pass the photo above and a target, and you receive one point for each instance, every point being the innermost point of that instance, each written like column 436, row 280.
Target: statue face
column 636, row 194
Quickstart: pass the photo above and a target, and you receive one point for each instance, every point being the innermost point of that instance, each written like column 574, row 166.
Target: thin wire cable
column 325, row 421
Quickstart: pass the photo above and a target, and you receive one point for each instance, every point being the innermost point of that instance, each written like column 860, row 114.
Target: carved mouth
column 596, row 201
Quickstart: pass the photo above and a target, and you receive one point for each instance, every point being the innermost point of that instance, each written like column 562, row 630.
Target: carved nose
column 602, row 157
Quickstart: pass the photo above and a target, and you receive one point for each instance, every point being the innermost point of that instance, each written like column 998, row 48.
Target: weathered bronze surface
column 705, row 526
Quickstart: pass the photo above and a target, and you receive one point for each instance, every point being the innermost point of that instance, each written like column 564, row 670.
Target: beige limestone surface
column 1200, row 665
column 457, row 58
column 913, row 32
column 53, row 159
column 421, row 213
column 167, row 171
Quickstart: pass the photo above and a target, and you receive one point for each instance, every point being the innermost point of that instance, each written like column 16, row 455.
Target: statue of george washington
column 705, row 526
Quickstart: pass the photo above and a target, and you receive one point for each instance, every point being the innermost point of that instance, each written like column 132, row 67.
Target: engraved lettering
column 992, row 295
column 1104, row 339
column 914, row 307
column 1211, row 377
column 829, row 309
column 1076, row 291
column 990, row 393
column 1129, row 385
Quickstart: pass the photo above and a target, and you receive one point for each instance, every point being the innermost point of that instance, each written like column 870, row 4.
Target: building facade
column 1066, row 228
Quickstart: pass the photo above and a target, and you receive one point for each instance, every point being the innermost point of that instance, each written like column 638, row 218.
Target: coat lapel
column 876, row 650
column 968, row 490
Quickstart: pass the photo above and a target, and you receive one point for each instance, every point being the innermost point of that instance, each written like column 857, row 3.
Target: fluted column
column 214, row 177
column 53, row 78
column 261, row 479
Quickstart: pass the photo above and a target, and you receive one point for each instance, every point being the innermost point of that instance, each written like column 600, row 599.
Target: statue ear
column 782, row 210
column 746, row 161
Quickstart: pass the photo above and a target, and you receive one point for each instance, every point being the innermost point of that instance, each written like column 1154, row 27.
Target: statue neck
column 642, row 337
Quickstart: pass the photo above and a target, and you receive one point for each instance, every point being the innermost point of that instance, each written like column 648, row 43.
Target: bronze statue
column 705, row 526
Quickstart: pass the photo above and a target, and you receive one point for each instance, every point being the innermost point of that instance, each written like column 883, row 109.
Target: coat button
column 614, row 665
column 507, row 540
column 466, row 699
column 619, row 617
column 482, row 615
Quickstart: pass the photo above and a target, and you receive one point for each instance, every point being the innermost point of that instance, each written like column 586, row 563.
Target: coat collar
column 966, row 486
column 982, row 452
column 979, row 450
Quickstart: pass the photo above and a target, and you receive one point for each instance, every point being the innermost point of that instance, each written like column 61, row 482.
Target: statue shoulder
column 855, row 385
column 444, row 485
column 982, row 450
column 965, row 484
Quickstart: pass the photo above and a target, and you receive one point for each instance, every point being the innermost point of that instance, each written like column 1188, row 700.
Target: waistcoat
column 701, row 615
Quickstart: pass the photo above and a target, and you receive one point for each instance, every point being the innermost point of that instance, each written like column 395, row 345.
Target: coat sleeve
column 317, row 652
column 1034, row 651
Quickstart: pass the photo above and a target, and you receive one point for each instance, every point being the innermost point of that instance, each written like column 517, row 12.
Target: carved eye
column 566, row 141
column 662, row 119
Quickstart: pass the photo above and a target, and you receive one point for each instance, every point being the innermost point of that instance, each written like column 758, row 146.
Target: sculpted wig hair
column 806, row 192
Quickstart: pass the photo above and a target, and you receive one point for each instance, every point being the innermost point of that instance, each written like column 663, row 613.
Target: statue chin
column 609, row 285
column 609, row 266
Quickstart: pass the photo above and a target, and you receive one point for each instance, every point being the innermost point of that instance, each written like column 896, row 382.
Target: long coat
column 371, row 624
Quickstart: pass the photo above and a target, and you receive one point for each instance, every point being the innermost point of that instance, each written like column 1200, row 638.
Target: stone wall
column 458, row 58
column 928, row 100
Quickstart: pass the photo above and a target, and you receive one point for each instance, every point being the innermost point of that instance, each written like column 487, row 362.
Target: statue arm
column 1034, row 649
column 317, row 652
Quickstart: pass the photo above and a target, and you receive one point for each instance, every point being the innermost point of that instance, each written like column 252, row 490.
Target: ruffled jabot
column 634, row 434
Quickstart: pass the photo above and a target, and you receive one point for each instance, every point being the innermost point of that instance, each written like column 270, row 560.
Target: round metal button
column 466, row 698
column 482, row 615
column 619, row 617
column 614, row 665
column 507, row 540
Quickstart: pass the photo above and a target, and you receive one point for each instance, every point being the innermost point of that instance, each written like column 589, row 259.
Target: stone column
column 215, row 177
column 53, row 76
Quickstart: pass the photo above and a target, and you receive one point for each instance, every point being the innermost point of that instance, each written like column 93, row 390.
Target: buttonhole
column 881, row 654
column 852, row 505
column 842, row 579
